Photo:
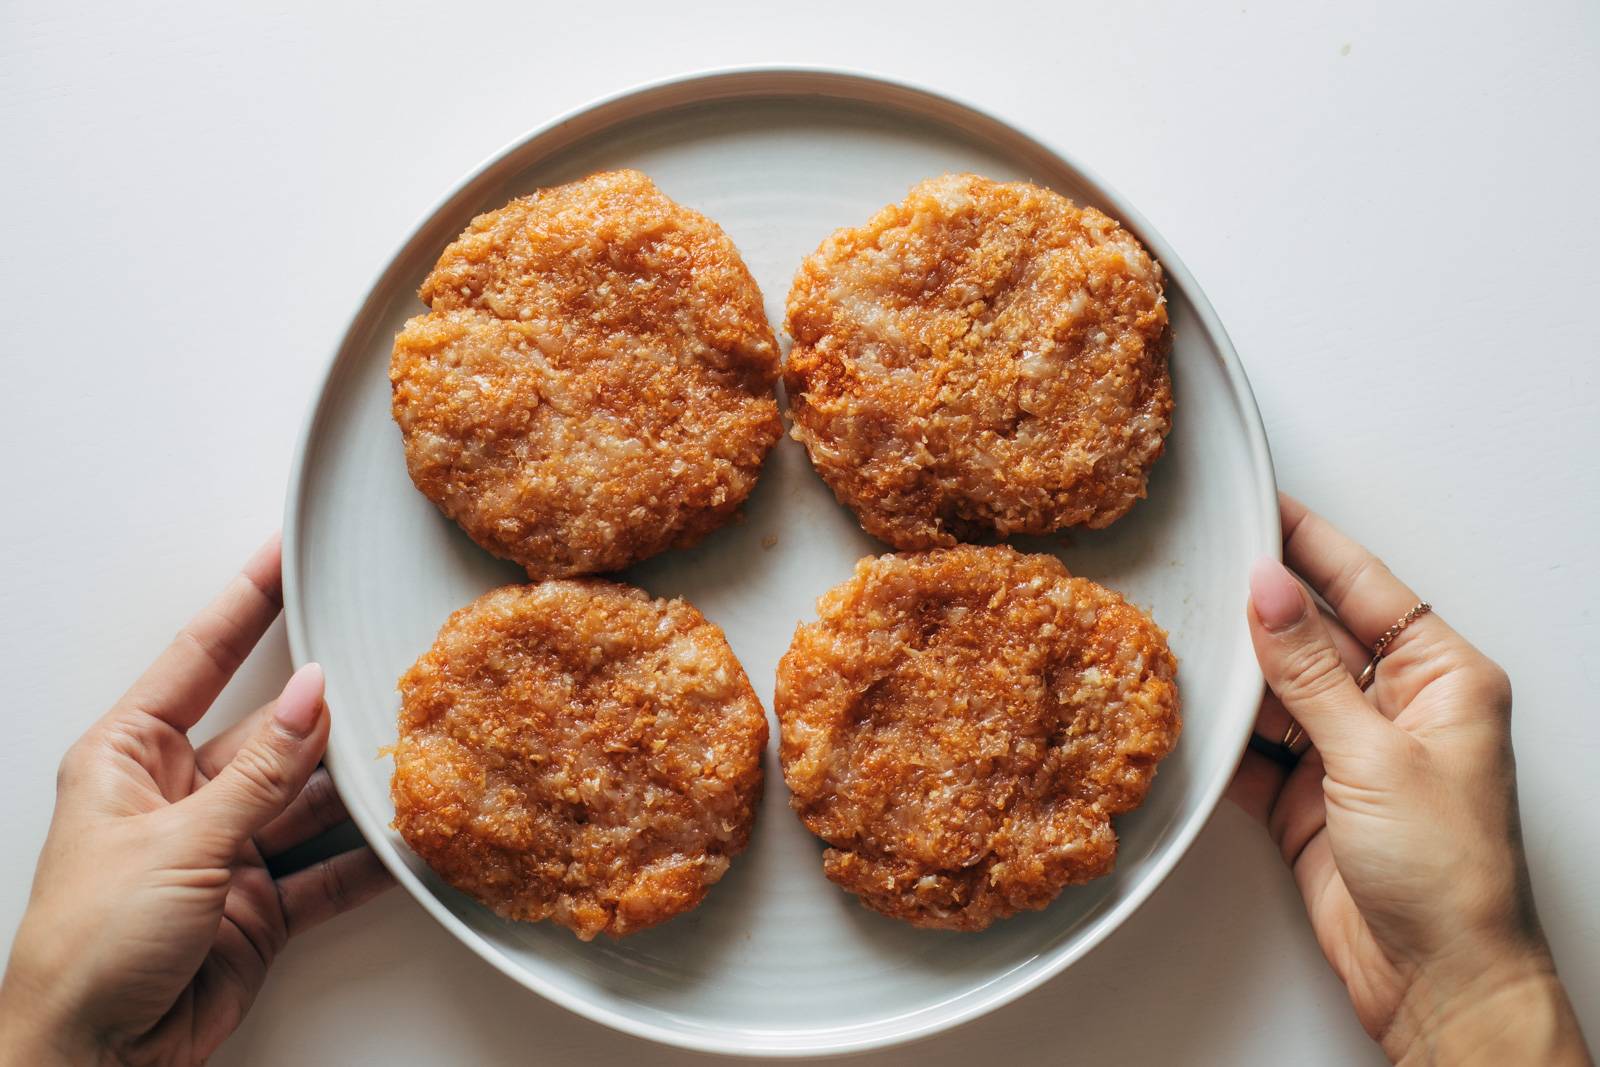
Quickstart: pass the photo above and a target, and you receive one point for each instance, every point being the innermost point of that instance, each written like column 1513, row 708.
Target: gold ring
column 1292, row 737
column 1296, row 733
column 1381, row 645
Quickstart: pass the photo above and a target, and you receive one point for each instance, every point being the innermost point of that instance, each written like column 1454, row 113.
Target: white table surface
column 1392, row 207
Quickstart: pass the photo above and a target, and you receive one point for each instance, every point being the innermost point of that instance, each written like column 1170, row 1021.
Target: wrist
column 1513, row 1010
column 32, row 1033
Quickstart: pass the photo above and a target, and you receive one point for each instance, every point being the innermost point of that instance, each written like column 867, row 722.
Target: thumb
column 270, row 768
column 1303, row 667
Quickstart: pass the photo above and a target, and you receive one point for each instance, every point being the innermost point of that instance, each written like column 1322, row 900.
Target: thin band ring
column 1381, row 646
column 1290, row 749
column 1292, row 738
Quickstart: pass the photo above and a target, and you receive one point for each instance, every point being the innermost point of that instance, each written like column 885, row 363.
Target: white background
column 1393, row 210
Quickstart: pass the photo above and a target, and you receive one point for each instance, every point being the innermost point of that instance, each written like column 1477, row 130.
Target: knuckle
column 262, row 774
column 1492, row 685
column 1353, row 573
column 268, row 592
column 1406, row 754
column 323, row 800
column 74, row 763
column 1497, row 684
column 223, row 653
column 187, row 839
column 285, row 919
column 334, row 886
column 333, row 898
column 1312, row 671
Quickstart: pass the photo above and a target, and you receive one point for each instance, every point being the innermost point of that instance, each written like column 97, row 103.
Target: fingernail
column 1275, row 594
column 300, row 703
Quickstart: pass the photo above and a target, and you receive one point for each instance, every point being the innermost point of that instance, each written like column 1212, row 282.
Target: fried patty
column 980, row 359
column 960, row 725
column 576, row 751
column 594, row 382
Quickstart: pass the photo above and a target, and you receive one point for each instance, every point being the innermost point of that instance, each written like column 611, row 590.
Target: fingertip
column 1275, row 595
column 300, row 704
column 265, row 566
column 1291, row 513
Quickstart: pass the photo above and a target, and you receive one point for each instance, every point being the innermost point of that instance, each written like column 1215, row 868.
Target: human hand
column 153, row 916
column 1401, row 823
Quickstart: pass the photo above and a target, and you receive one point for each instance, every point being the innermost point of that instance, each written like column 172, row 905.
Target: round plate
column 777, row 961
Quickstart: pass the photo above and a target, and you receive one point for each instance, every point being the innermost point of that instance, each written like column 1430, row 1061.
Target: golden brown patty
column 576, row 751
column 961, row 724
column 595, row 381
column 980, row 359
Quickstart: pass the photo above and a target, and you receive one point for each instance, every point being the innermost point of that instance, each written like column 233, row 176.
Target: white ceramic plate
column 777, row 961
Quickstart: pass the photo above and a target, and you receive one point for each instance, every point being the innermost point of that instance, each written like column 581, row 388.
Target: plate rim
column 791, row 81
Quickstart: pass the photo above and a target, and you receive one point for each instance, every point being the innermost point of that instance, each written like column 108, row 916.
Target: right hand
column 1400, row 823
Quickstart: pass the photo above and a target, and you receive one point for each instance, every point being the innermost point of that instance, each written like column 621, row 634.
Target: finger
column 1354, row 582
column 316, row 810
column 1352, row 653
column 1259, row 778
column 184, row 680
column 1300, row 812
column 1303, row 667
column 1272, row 721
column 1256, row 784
column 331, row 887
column 269, row 770
column 217, row 753
column 1370, row 600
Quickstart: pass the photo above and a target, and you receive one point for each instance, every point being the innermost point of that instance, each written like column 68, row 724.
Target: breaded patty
column 576, row 751
column 594, row 382
column 980, row 359
column 960, row 725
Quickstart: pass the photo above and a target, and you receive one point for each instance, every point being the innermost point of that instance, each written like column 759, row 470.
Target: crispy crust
column 594, row 382
column 980, row 359
column 576, row 751
column 960, row 725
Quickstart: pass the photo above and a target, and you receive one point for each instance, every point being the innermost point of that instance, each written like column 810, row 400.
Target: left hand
column 154, row 917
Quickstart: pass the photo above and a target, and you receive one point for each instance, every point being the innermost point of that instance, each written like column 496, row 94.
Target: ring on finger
column 1294, row 741
column 1381, row 646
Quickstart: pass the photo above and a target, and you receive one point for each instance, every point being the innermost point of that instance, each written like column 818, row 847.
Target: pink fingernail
column 1275, row 594
column 300, row 703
